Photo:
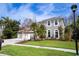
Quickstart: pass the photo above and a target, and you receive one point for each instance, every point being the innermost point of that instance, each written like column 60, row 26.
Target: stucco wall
column 52, row 27
column 25, row 36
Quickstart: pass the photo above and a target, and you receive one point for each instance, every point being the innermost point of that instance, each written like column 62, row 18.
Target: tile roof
column 25, row 30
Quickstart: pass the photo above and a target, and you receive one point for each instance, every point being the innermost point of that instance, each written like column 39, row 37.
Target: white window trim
column 48, row 34
column 57, row 22
column 58, row 33
column 47, row 23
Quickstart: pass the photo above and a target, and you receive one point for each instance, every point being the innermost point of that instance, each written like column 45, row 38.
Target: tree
column 77, row 28
column 34, row 28
column 27, row 22
column 41, row 31
column 61, row 33
column 11, row 28
column 68, row 33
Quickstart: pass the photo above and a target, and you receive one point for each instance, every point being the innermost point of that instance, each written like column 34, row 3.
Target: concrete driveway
column 11, row 41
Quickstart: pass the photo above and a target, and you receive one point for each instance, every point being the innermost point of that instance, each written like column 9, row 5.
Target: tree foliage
column 77, row 28
column 69, row 30
column 68, row 33
column 61, row 33
column 39, row 30
column 11, row 27
column 34, row 28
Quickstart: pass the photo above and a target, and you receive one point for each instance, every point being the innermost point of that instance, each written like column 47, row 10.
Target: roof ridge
column 50, row 19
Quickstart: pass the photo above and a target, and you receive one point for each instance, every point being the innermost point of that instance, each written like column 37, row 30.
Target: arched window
column 48, row 22
column 56, row 22
column 48, row 33
column 56, row 33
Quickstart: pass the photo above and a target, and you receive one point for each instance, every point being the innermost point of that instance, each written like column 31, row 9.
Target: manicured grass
column 29, row 51
column 52, row 43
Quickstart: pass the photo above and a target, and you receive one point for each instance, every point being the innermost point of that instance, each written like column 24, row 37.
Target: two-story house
column 52, row 28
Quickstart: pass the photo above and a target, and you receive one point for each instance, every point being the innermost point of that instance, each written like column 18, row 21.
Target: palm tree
column 11, row 27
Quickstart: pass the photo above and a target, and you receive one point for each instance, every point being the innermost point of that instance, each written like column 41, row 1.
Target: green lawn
column 29, row 51
column 52, row 43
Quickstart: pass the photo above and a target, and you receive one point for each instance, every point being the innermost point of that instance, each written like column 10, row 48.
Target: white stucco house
column 25, row 34
column 51, row 26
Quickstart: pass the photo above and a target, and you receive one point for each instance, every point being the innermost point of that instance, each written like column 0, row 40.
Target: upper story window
column 48, row 22
column 56, row 22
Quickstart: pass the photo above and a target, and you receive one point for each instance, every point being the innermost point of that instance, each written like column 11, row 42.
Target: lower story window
column 48, row 33
column 56, row 33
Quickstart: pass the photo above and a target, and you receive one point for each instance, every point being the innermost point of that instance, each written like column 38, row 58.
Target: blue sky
column 40, row 11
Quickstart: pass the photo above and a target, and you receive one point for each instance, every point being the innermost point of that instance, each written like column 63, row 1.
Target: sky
column 38, row 11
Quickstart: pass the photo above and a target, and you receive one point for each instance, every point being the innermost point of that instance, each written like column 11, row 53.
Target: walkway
column 50, row 48
column 3, row 55
column 14, row 41
column 11, row 41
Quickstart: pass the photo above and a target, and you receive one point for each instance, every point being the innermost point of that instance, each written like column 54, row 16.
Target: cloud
column 24, row 11
column 45, row 10
column 38, row 11
column 18, row 14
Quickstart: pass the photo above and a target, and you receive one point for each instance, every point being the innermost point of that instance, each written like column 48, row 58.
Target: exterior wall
column 55, row 34
column 25, row 36
column 52, row 27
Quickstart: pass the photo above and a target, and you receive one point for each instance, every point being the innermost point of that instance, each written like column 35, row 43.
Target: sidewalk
column 50, row 48
column 11, row 41
column 3, row 55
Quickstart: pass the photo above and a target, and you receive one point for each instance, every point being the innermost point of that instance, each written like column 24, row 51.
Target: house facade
column 25, row 34
column 52, row 28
